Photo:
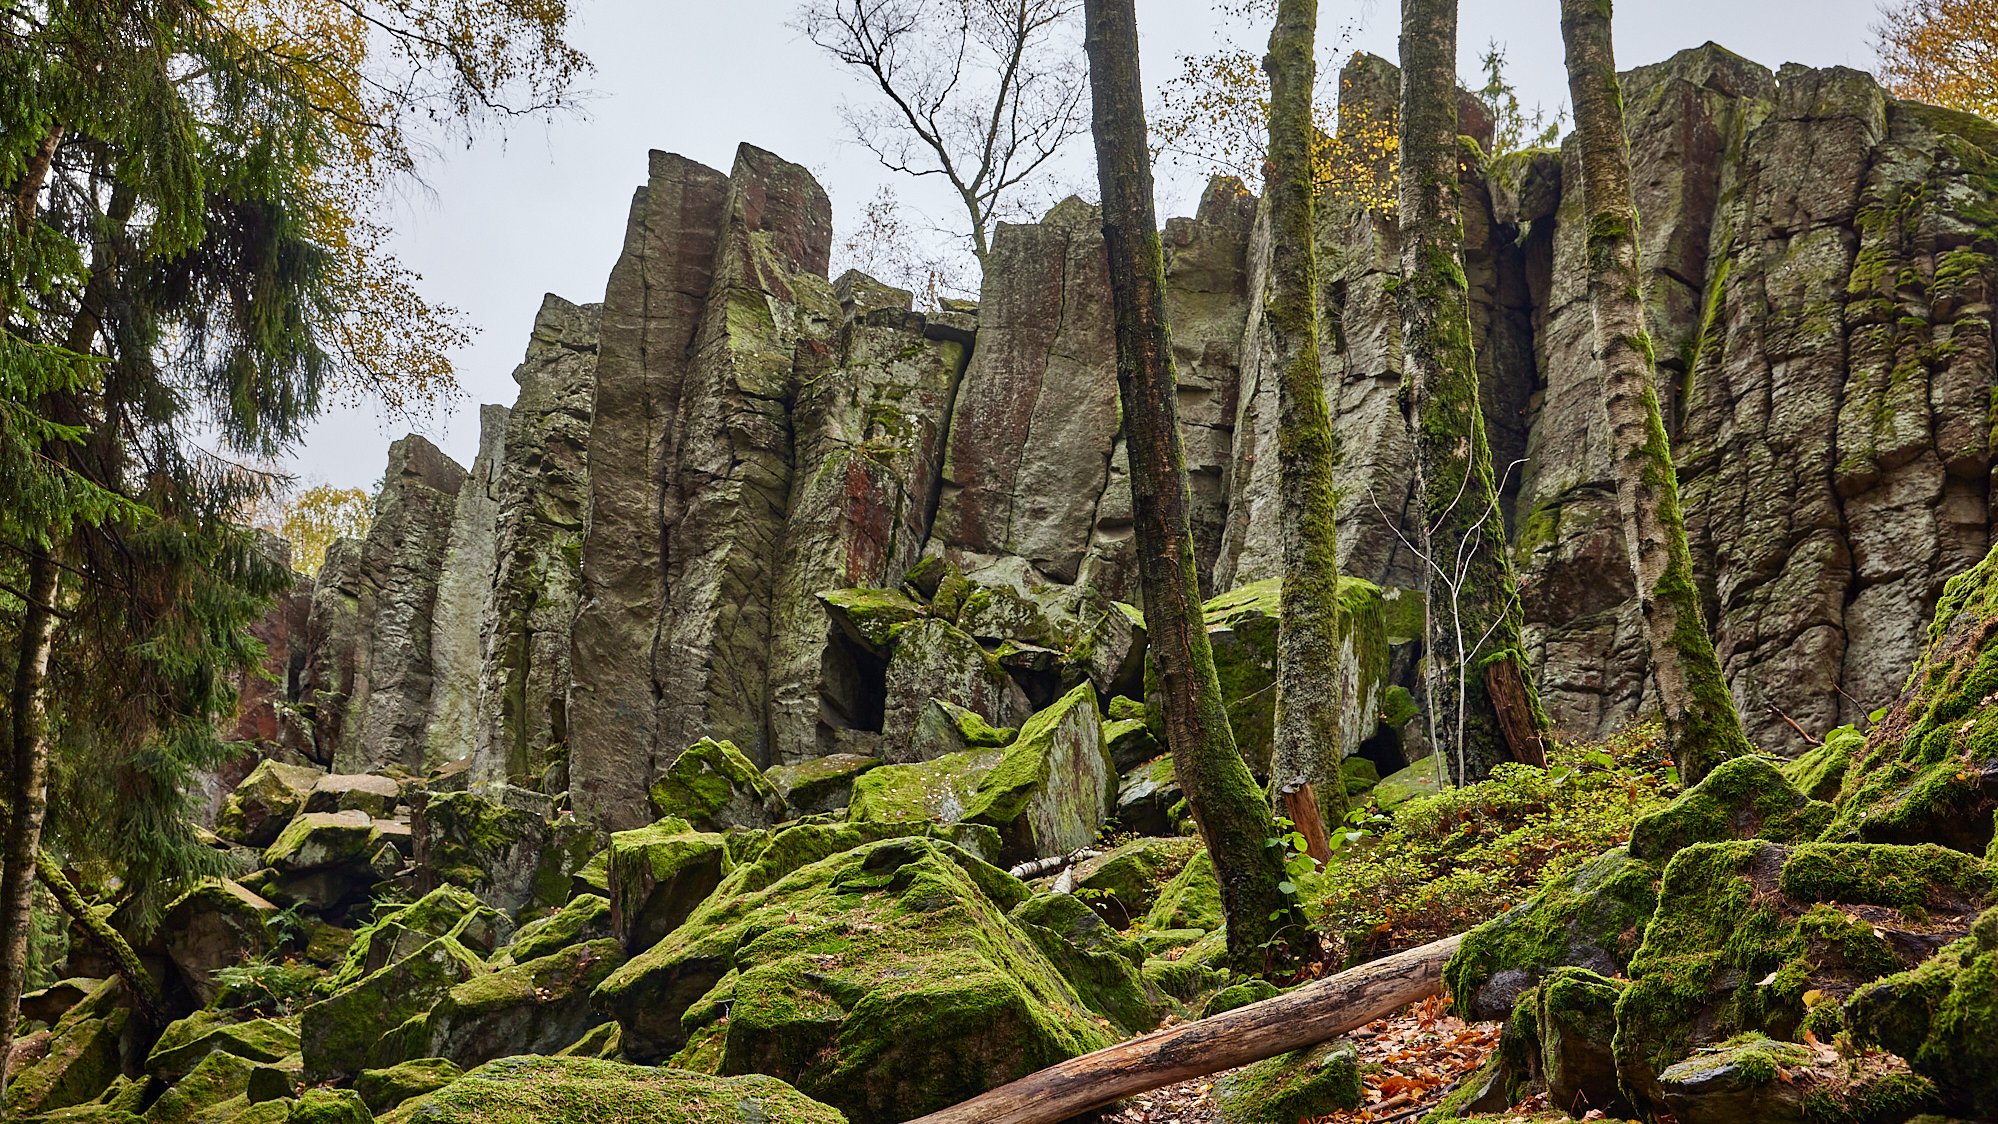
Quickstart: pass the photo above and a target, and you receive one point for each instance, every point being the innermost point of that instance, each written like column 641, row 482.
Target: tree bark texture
column 1309, row 685
column 1474, row 610
column 1232, row 812
column 26, row 787
column 1702, row 726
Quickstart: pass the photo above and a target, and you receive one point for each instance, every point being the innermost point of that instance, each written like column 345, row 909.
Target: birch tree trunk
column 1702, row 726
column 1474, row 611
column 1309, row 689
column 26, row 789
column 1265, row 925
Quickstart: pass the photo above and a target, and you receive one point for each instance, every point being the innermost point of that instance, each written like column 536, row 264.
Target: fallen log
column 1317, row 1012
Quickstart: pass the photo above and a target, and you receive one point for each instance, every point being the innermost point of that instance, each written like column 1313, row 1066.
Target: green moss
column 184, row 1043
column 448, row 911
column 1820, row 772
column 345, row 1033
column 1124, row 884
column 1192, row 900
column 869, row 616
column 1746, row 798
column 1102, row 965
column 329, row 1106
column 1943, row 1017
column 907, row 939
column 82, row 1061
column 217, row 1078
column 1923, row 776
column 659, row 874
column 923, row 792
column 1596, row 919
column 585, row 918
column 1283, row 1090
column 713, row 786
column 384, row 1089
column 1049, row 770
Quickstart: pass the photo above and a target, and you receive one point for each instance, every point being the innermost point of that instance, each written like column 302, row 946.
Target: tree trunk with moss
column 1309, row 694
column 1474, row 611
column 27, row 765
column 1701, row 724
column 1265, row 925
column 145, row 993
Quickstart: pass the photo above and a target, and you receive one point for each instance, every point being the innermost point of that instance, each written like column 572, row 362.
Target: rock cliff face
column 637, row 560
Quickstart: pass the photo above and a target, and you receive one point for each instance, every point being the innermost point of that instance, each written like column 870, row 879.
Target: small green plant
column 272, row 987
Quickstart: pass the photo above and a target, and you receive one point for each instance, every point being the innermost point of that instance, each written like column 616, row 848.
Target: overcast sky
column 543, row 208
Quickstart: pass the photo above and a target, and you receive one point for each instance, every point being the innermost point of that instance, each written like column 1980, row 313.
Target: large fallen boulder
column 887, row 980
column 267, row 799
column 562, row 1090
column 658, row 875
column 536, row 1007
column 213, row 926
column 1751, row 937
column 504, row 849
column 361, row 1027
column 715, row 787
column 329, row 860
column 1943, row 1018
column 80, row 1058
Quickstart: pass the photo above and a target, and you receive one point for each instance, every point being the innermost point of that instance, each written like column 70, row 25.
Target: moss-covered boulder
column 936, row 791
column 354, row 792
column 216, row 925
column 658, row 875
column 1105, row 967
column 1424, row 778
column 1746, row 798
column 572, row 1090
column 1320, row 1081
column 537, row 1007
column 1124, row 883
column 1576, row 1021
column 183, row 1044
column 586, row 918
column 361, row 1027
column 714, row 787
column 846, row 975
column 501, row 847
column 448, row 911
column 1150, row 800
column 823, row 784
column 1594, row 920
column 319, row 840
column 385, row 1089
column 933, row 659
column 1929, row 769
column 1051, row 791
column 868, row 616
column 329, row 1106
column 1750, row 937
column 217, row 1079
column 265, row 802
column 1129, row 742
column 81, row 1060
column 1192, row 900
column 944, row 728
column 1943, row 1017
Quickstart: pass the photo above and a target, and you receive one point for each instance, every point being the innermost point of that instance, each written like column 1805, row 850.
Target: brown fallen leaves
column 1408, row 1061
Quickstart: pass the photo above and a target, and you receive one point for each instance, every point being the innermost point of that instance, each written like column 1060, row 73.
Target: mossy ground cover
column 1448, row 862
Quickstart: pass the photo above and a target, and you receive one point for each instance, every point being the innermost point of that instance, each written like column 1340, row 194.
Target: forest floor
column 1409, row 1062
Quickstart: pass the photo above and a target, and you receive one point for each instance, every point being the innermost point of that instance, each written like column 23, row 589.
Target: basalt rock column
column 872, row 409
column 464, row 584
column 729, row 487
column 543, row 494
column 653, row 306
column 369, row 678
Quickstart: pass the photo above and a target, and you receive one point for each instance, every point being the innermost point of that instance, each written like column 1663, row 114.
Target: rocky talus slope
column 715, row 746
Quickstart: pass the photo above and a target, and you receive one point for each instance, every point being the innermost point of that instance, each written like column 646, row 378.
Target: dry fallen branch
column 1317, row 1012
